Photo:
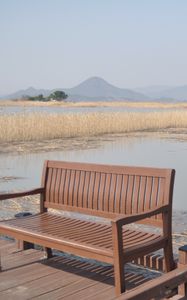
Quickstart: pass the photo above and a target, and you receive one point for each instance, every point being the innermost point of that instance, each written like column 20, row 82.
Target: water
column 4, row 110
column 121, row 150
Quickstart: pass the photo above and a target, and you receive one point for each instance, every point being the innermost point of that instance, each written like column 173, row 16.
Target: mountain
column 179, row 93
column 165, row 92
column 96, row 88
column 92, row 89
column 27, row 92
column 153, row 91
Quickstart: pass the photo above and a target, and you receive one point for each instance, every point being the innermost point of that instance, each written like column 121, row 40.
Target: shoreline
column 116, row 103
column 87, row 142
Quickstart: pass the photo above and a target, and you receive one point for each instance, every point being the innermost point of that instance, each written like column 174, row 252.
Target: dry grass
column 40, row 126
column 166, row 105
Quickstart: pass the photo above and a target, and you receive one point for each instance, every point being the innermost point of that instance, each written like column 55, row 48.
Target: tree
column 58, row 96
column 39, row 97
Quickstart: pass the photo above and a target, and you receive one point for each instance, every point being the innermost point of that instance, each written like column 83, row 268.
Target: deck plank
column 27, row 275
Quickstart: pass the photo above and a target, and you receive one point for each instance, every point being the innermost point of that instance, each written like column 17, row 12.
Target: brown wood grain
column 120, row 194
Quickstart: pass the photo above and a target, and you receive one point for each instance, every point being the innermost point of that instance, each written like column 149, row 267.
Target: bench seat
column 82, row 234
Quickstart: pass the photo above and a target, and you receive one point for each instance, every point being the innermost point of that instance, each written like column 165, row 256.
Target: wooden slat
column 57, row 186
column 66, row 187
column 53, row 184
column 86, row 189
column 102, row 188
column 91, row 189
column 96, row 190
column 142, row 193
column 71, row 187
column 155, row 192
column 136, row 194
column 160, row 199
column 81, row 188
column 129, row 199
column 76, row 188
column 124, row 194
column 112, row 193
column 148, row 193
column 48, row 185
column 106, row 192
column 61, row 187
column 118, row 194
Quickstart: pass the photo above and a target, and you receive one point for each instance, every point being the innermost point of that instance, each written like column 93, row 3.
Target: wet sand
column 90, row 142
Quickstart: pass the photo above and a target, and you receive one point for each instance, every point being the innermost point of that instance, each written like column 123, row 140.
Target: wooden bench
column 120, row 194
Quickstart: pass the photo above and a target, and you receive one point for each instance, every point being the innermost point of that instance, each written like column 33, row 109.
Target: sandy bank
column 87, row 142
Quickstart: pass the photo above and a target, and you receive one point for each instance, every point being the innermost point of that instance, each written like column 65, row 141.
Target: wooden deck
column 26, row 275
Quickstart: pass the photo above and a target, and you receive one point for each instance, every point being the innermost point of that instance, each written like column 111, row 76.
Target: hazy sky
column 59, row 43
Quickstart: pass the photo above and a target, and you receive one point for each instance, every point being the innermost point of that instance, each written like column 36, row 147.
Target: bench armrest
column 21, row 194
column 120, row 221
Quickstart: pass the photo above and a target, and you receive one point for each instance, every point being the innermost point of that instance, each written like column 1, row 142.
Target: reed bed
column 142, row 104
column 42, row 126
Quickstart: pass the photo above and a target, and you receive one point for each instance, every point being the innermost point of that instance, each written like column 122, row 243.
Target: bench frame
column 162, row 211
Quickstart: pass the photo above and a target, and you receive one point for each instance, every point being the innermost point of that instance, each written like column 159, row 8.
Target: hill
column 27, row 92
column 165, row 93
column 96, row 88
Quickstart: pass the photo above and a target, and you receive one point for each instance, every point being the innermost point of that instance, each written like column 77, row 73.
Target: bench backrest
column 105, row 189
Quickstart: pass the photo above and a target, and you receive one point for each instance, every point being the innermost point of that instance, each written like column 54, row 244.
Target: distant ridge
column 165, row 93
column 92, row 89
column 98, row 89
column 31, row 91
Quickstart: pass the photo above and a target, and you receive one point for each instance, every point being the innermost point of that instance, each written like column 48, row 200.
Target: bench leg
column 23, row 245
column 183, row 261
column 48, row 252
column 0, row 263
column 119, row 277
column 168, row 256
